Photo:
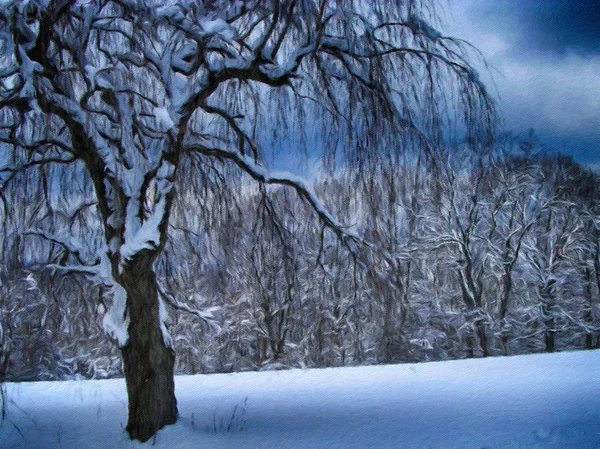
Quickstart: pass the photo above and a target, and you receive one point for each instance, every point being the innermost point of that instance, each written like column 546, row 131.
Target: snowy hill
column 535, row 401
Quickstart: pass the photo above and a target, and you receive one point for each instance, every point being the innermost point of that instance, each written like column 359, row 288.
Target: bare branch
column 263, row 175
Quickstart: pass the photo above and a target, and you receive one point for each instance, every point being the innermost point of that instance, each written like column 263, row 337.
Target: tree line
column 463, row 255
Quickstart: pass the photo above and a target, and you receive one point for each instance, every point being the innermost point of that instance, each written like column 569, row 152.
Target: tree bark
column 590, row 337
column 506, row 290
column 482, row 336
column 148, row 361
column 503, row 308
column 388, row 327
column 549, row 340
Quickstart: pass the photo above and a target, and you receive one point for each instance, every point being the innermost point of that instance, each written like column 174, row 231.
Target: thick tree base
column 144, row 432
column 148, row 361
column 151, row 391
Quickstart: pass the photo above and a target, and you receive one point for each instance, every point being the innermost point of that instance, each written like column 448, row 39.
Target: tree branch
column 261, row 174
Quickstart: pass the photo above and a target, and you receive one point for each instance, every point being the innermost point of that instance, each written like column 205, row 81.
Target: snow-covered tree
column 130, row 91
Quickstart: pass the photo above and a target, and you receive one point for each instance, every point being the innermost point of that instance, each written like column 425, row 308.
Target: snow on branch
column 69, row 244
column 205, row 315
column 265, row 176
column 116, row 320
column 140, row 235
column 7, row 173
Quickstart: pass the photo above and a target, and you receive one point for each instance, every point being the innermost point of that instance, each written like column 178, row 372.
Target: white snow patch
column 148, row 235
column 115, row 322
column 538, row 401
column 165, row 170
column 170, row 10
column 219, row 27
column 90, row 73
column 163, row 316
column 164, row 118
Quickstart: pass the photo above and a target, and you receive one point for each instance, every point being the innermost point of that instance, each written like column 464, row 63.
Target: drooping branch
column 205, row 316
column 263, row 175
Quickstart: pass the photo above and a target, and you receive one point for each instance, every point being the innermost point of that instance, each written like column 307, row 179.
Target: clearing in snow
column 534, row 401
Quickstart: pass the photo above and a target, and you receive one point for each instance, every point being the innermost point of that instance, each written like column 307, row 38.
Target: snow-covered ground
column 538, row 401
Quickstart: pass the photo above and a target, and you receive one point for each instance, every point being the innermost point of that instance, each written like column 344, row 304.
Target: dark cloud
column 549, row 26
column 585, row 149
column 547, row 59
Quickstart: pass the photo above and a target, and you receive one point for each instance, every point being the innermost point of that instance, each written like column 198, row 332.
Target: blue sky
column 546, row 59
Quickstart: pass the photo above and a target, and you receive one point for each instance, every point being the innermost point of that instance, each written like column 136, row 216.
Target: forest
column 147, row 230
column 467, row 256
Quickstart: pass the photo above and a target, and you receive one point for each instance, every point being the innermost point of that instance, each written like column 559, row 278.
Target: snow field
column 540, row 401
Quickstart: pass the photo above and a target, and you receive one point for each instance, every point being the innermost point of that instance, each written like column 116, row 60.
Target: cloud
column 546, row 26
column 547, row 57
column 559, row 96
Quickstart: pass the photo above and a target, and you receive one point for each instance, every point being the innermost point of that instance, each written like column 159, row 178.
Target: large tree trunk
column 147, row 360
